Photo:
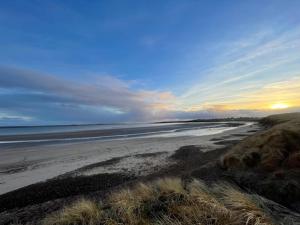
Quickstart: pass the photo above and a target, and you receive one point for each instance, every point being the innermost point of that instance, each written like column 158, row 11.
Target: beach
column 41, row 178
column 141, row 155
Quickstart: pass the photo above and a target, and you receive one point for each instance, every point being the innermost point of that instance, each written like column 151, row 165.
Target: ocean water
column 54, row 134
column 19, row 130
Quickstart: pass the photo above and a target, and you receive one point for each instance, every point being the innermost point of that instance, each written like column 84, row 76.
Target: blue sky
column 116, row 61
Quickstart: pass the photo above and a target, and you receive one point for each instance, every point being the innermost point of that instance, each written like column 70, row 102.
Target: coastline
column 28, row 165
column 110, row 133
column 67, row 176
column 186, row 158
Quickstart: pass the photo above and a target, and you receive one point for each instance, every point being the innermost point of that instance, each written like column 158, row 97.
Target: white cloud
column 30, row 91
column 248, row 65
column 6, row 116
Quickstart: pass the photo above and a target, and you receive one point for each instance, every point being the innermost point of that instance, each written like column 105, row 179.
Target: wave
column 195, row 131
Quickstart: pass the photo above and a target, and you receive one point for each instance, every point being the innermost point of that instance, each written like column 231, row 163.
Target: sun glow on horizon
column 279, row 106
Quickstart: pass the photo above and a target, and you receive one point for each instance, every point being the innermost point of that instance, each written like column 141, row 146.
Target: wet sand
column 197, row 157
column 110, row 133
column 23, row 166
column 102, row 167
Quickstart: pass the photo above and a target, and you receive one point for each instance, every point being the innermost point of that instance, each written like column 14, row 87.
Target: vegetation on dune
column 268, row 162
column 82, row 212
column 271, row 150
column 168, row 201
column 280, row 118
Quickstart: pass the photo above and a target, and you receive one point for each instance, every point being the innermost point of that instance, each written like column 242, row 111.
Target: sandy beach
column 41, row 179
column 22, row 166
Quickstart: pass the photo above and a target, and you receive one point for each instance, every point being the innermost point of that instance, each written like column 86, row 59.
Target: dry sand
column 23, row 166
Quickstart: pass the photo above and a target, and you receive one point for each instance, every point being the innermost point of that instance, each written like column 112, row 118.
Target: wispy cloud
column 249, row 66
column 6, row 117
column 248, row 76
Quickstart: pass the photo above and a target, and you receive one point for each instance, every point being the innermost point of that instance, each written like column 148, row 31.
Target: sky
column 74, row 62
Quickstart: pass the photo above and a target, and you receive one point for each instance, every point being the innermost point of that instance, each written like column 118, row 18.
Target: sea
column 77, row 133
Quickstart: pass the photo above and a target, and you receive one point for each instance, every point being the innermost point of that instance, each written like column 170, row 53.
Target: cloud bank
column 29, row 95
column 248, row 77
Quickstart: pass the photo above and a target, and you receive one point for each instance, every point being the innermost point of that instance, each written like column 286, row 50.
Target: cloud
column 5, row 117
column 102, row 98
column 247, row 77
column 29, row 97
column 259, row 98
column 244, row 70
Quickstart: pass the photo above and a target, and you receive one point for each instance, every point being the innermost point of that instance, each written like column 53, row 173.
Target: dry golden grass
column 280, row 118
column 249, row 207
column 271, row 149
column 168, row 201
column 82, row 212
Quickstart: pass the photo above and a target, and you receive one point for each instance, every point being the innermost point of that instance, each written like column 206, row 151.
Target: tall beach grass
column 168, row 201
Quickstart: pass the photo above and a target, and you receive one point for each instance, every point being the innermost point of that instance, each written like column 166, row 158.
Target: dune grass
column 168, row 201
column 275, row 148
column 82, row 212
column 280, row 118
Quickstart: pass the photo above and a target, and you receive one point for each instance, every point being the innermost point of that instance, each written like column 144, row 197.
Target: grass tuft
column 168, row 201
column 250, row 207
column 82, row 212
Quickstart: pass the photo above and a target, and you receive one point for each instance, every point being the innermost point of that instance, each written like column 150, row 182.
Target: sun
column 279, row 106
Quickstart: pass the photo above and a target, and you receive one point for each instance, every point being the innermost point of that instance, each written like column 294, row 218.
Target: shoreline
column 176, row 156
column 28, row 165
column 189, row 158
column 32, row 203
column 111, row 133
